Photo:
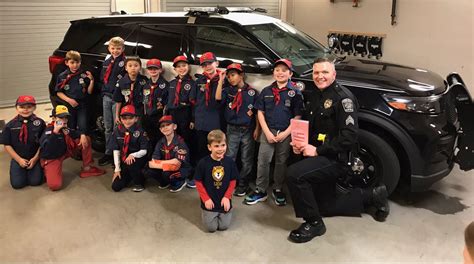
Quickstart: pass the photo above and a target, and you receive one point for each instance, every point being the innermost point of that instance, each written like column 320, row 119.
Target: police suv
column 413, row 123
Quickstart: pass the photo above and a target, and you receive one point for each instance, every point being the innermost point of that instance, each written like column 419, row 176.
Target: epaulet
column 343, row 91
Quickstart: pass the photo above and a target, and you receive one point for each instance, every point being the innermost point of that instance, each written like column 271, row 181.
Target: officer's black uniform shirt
column 117, row 72
column 332, row 115
column 76, row 87
column 123, row 92
column 160, row 95
column 216, row 177
column 11, row 132
column 54, row 146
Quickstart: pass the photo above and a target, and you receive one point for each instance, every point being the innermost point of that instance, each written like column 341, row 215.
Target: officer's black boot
column 377, row 197
column 307, row 231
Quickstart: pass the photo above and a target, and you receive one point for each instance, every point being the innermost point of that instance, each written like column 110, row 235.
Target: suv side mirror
column 257, row 65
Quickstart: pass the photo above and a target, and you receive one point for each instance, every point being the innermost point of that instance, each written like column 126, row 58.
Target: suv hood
column 387, row 76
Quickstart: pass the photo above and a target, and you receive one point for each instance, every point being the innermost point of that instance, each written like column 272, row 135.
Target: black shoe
column 241, row 191
column 106, row 159
column 279, row 197
column 307, row 231
column 138, row 188
column 380, row 202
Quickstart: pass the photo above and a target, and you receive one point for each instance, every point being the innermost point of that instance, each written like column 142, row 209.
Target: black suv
column 414, row 124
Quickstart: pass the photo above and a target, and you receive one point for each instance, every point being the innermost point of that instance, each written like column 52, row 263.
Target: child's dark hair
column 133, row 58
column 215, row 135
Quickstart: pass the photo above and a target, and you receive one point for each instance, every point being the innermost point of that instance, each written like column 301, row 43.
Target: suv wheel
column 381, row 164
column 98, row 136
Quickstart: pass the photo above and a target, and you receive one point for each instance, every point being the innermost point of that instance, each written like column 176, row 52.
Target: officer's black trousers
column 312, row 185
column 130, row 173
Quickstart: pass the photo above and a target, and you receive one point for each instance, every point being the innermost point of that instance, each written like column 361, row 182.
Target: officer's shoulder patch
column 349, row 120
column 136, row 133
column 348, row 105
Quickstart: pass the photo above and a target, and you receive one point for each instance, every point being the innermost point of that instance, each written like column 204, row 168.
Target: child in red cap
column 21, row 138
column 58, row 143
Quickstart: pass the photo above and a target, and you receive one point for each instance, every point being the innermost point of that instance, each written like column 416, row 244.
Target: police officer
column 331, row 110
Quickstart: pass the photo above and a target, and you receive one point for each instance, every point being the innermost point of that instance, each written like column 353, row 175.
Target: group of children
column 163, row 130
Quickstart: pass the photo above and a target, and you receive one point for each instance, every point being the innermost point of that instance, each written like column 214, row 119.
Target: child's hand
column 280, row 137
column 32, row 163
column 89, row 75
column 270, row 137
column 225, row 202
column 58, row 125
column 116, row 174
column 174, row 161
column 191, row 125
column 23, row 162
column 117, row 120
column 83, row 142
column 209, row 204
column 73, row 102
column 159, row 105
column 130, row 160
column 256, row 134
column 222, row 77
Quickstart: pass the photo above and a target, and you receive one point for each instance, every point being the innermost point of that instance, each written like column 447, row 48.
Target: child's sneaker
column 241, row 191
column 255, row 197
column 177, row 186
column 92, row 171
column 163, row 186
column 138, row 188
column 191, row 184
column 279, row 197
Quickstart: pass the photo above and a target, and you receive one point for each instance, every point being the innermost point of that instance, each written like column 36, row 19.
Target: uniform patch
column 83, row 75
column 119, row 76
column 48, row 132
column 36, row 122
column 349, row 120
column 348, row 105
column 66, row 87
column 251, row 92
column 181, row 154
column 300, row 86
column 136, row 133
column 287, row 102
column 142, row 82
column 146, row 92
column 230, row 105
column 327, row 103
column 121, row 63
column 218, row 174
column 202, row 87
column 81, row 81
column 162, row 85
column 187, row 87
column 291, row 93
column 145, row 134
column 250, row 106
column 126, row 92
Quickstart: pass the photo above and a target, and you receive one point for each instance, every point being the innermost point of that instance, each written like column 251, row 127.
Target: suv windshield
column 288, row 42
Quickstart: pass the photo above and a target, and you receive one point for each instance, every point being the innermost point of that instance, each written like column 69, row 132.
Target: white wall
column 432, row 34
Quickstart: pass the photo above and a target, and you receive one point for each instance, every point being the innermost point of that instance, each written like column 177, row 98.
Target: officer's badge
column 121, row 63
column 291, row 93
column 250, row 106
column 187, row 87
column 36, row 122
column 251, row 92
column 162, row 85
column 327, row 103
column 287, row 102
column 142, row 82
column 230, row 105
column 146, row 92
column 348, row 105
column 349, row 120
column 66, row 87
column 181, row 154
column 218, row 175
column 126, row 92
column 83, row 75
column 136, row 133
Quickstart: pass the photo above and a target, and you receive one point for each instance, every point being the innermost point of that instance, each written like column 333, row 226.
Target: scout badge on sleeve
column 181, row 154
column 126, row 94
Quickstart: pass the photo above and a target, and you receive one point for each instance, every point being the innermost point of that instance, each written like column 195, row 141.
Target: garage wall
column 272, row 6
column 30, row 30
column 435, row 34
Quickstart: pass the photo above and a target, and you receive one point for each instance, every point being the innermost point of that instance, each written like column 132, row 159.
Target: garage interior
column 88, row 222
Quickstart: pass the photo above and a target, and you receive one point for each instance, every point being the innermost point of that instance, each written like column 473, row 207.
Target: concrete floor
column 87, row 221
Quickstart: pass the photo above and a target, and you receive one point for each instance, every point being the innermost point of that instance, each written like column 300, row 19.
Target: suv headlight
column 423, row 105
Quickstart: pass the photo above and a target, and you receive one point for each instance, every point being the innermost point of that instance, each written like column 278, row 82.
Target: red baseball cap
column 207, row 57
column 25, row 99
column 285, row 62
column 153, row 63
column 178, row 59
column 235, row 66
column 166, row 119
column 128, row 110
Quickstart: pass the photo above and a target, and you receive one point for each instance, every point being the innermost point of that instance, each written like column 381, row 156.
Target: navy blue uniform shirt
column 54, row 146
column 207, row 117
column 245, row 116
column 124, row 92
column 186, row 94
column 117, row 72
column 11, row 132
column 216, row 176
column 75, row 87
column 138, row 139
column 177, row 149
column 278, row 115
column 154, row 93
